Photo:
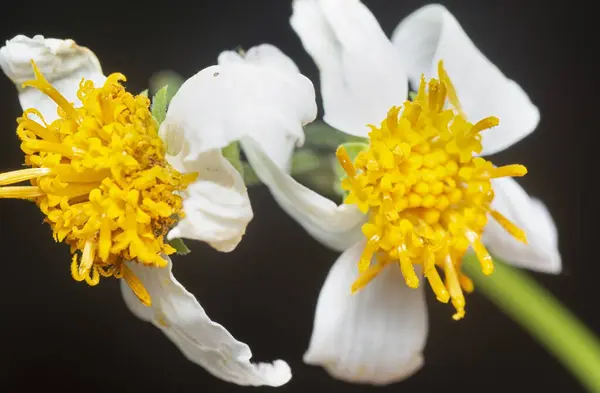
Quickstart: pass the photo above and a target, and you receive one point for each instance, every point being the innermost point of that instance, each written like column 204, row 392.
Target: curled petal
column 216, row 206
column 62, row 62
column 178, row 314
column 337, row 227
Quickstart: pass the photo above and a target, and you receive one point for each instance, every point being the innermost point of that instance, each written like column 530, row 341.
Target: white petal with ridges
column 216, row 206
column 541, row 253
column 361, row 73
column 178, row 314
column 222, row 103
column 62, row 62
column 375, row 336
column 335, row 226
column 431, row 34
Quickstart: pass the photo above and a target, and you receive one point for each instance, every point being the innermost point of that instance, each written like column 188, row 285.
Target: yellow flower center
column 426, row 192
column 100, row 176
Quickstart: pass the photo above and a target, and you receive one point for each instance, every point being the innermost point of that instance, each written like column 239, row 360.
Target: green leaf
column 412, row 95
column 353, row 148
column 179, row 246
column 159, row 105
column 144, row 93
column 232, row 153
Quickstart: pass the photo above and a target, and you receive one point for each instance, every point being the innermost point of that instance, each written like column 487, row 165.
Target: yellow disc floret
column 426, row 192
column 100, row 176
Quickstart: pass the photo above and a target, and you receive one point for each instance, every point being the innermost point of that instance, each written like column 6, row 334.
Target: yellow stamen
column 22, row 175
column 38, row 129
column 514, row 170
column 483, row 124
column 452, row 96
column 366, row 277
column 406, row 266
column 68, row 174
column 24, row 192
column 100, row 175
column 508, row 225
column 435, row 281
column 426, row 192
column 453, row 285
column 87, row 259
column 51, row 147
column 465, row 283
column 45, row 87
column 367, row 254
column 136, row 286
column 345, row 161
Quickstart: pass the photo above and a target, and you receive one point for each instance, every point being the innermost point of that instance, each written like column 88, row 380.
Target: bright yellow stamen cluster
column 100, row 176
column 426, row 192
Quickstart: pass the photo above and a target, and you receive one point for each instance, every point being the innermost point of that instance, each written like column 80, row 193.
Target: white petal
column 217, row 208
column 335, row 226
column 178, row 314
column 62, row 62
column 541, row 253
column 362, row 75
column 431, row 34
column 375, row 336
column 265, row 55
column 220, row 104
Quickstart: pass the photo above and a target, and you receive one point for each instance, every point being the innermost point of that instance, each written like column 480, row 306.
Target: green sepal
column 412, row 95
column 159, row 105
column 179, row 246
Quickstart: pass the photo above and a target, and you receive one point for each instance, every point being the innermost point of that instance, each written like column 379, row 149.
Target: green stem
column 546, row 319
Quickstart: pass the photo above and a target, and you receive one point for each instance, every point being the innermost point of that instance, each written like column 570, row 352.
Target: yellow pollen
column 99, row 175
column 426, row 192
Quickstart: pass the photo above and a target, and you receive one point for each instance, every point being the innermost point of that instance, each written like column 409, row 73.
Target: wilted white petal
column 178, row 314
column 216, row 206
column 220, row 104
column 541, row 253
column 431, row 34
column 62, row 62
column 361, row 73
column 335, row 226
column 375, row 336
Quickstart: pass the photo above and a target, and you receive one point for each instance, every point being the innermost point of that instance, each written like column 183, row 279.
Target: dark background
column 57, row 333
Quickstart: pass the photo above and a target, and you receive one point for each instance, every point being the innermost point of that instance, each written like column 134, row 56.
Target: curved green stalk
column 544, row 317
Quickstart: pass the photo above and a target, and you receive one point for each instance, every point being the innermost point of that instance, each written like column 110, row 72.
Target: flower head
column 99, row 175
column 426, row 192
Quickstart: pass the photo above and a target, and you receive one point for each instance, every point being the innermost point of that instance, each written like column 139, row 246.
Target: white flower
column 216, row 205
column 377, row 335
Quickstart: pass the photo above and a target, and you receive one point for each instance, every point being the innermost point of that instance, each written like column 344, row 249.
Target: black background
column 57, row 333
